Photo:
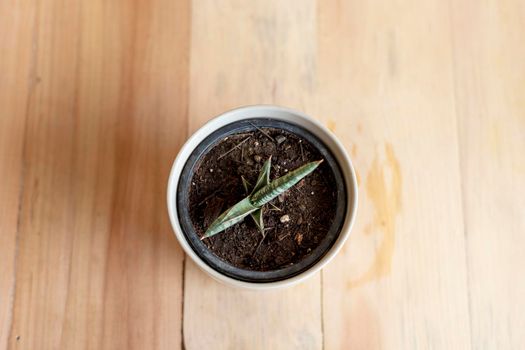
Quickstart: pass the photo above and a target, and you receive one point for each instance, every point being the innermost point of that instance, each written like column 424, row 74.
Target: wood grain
column 264, row 60
column 96, row 98
column 97, row 265
column 490, row 88
column 401, row 280
column 16, row 19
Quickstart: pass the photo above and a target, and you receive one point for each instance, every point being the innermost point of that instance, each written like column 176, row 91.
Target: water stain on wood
column 384, row 192
column 330, row 124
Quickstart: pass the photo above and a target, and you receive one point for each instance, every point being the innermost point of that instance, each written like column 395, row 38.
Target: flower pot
column 247, row 119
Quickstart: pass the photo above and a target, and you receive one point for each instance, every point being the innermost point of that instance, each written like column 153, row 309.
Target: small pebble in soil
column 193, row 183
column 285, row 170
column 312, row 193
column 257, row 158
column 211, row 170
column 280, row 139
column 285, row 218
column 256, row 143
column 281, row 198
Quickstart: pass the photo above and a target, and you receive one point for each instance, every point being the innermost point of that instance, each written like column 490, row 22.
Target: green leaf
column 264, row 176
column 262, row 180
column 263, row 192
column 230, row 217
column 278, row 186
column 245, row 184
column 257, row 216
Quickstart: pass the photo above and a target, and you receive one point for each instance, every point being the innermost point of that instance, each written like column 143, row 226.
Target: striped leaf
column 264, row 176
column 230, row 217
column 278, row 186
column 262, row 180
column 263, row 192
column 245, row 184
column 257, row 217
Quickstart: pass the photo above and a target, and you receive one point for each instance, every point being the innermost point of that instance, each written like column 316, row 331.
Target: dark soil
column 310, row 205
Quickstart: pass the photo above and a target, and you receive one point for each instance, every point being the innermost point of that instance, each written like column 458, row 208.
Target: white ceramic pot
column 282, row 114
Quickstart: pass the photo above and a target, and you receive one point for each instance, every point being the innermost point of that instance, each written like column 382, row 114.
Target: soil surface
column 310, row 205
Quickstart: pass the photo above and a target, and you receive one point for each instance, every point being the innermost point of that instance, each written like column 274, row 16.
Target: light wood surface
column 13, row 102
column 401, row 281
column 490, row 95
column 97, row 97
column 98, row 94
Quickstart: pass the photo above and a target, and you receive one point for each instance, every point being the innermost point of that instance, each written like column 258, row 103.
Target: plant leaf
column 278, row 186
column 263, row 192
column 257, row 216
column 262, row 180
column 245, row 184
column 230, row 217
column 264, row 176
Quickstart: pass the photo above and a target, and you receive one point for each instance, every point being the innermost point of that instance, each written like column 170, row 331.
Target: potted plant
column 262, row 197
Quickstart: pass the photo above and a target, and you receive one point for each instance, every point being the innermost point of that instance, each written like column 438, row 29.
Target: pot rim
column 272, row 112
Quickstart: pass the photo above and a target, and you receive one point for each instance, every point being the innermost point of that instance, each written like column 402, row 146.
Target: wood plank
column 246, row 55
column 490, row 88
column 16, row 30
column 386, row 79
column 98, row 266
column 100, row 90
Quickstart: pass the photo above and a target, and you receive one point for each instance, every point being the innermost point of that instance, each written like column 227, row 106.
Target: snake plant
column 263, row 192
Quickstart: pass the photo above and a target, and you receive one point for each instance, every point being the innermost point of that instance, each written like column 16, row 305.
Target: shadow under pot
column 299, row 226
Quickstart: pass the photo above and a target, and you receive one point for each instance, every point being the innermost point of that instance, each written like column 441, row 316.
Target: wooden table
column 96, row 98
